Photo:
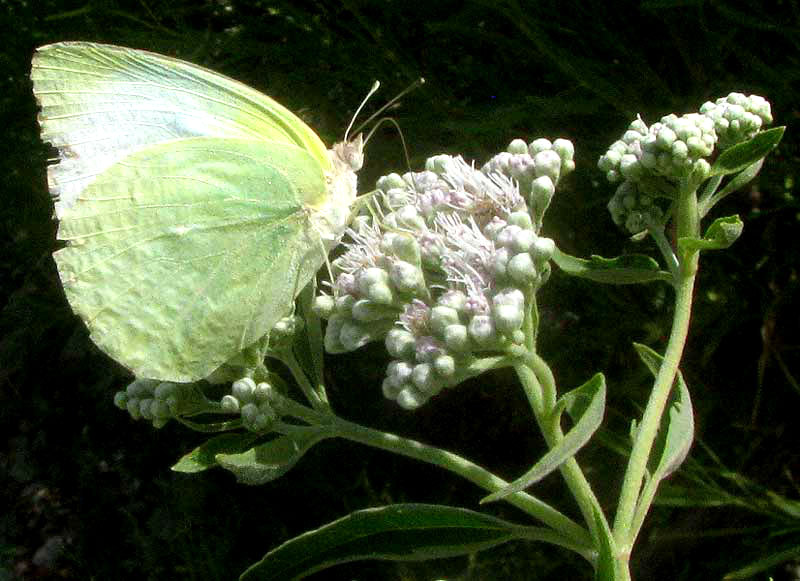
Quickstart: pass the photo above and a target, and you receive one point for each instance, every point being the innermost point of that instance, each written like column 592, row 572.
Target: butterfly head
column 349, row 155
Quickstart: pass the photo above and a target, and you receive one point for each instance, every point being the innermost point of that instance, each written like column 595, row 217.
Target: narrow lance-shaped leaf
column 627, row 269
column 743, row 154
column 271, row 460
column 676, row 433
column 586, row 404
column 204, row 456
column 403, row 532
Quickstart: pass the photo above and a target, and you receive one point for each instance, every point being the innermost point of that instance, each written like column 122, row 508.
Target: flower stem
column 538, row 509
column 688, row 225
column 538, row 384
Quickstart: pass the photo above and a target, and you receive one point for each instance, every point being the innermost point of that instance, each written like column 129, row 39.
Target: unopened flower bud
column 482, row 330
column 242, row 389
column 441, row 318
column 400, row 343
column 521, row 268
column 456, row 338
column 229, row 404
column 444, row 365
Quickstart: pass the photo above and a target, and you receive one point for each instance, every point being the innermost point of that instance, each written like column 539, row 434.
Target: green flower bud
column 139, row 388
column 408, row 217
column 523, row 241
column 133, row 408
column 542, row 190
column 508, row 318
column 425, row 380
column 400, row 343
column 494, row 227
column 521, row 268
column 242, row 389
column 229, row 404
column 499, row 262
column 164, row 390
column 629, row 167
column 249, row 413
column 456, row 338
column 121, row 400
column 410, row 398
column 547, row 163
column 399, row 371
column 441, row 318
column 370, row 277
column 454, row 299
column 332, row 332
column 381, row 294
column 517, row 146
column 263, row 393
column 444, row 365
column 405, row 247
column 145, row 408
column 566, row 151
column 389, row 182
column 542, row 250
column 354, row 336
column 366, row 311
column 323, row 306
column 538, row 145
column 482, row 330
column 391, row 388
column 405, row 276
column 521, row 219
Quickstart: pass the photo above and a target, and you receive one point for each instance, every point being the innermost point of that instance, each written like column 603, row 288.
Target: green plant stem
column 688, row 225
column 572, row 531
column 538, row 384
column 318, row 400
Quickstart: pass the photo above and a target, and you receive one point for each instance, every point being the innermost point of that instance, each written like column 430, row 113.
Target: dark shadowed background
column 86, row 493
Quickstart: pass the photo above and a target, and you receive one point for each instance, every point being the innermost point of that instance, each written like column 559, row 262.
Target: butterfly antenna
column 399, row 132
column 415, row 85
column 375, row 86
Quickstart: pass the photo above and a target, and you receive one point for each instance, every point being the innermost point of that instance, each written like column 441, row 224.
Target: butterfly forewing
column 100, row 103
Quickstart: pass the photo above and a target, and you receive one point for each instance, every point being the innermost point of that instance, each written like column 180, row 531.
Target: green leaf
column 721, row 234
column 764, row 564
column 742, row 155
column 270, row 460
column 402, row 532
column 626, row 269
column 606, row 563
column 204, row 456
column 586, row 405
column 676, row 432
column 741, row 179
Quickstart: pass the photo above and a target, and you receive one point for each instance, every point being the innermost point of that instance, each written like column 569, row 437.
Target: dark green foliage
column 73, row 467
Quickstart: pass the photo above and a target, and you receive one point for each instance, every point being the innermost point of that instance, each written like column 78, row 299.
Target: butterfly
column 194, row 208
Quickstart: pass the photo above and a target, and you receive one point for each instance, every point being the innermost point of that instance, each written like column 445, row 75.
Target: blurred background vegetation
column 85, row 493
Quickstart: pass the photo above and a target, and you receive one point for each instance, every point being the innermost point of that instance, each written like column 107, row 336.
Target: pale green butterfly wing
column 184, row 253
column 102, row 102
column 194, row 207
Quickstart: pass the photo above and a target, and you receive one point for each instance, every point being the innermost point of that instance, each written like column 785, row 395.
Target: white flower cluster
column 737, row 117
column 650, row 161
column 259, row 404
column 444, row 267
column 153, row 400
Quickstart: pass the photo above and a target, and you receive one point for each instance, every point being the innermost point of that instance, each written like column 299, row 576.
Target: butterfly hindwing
column 184, row 253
